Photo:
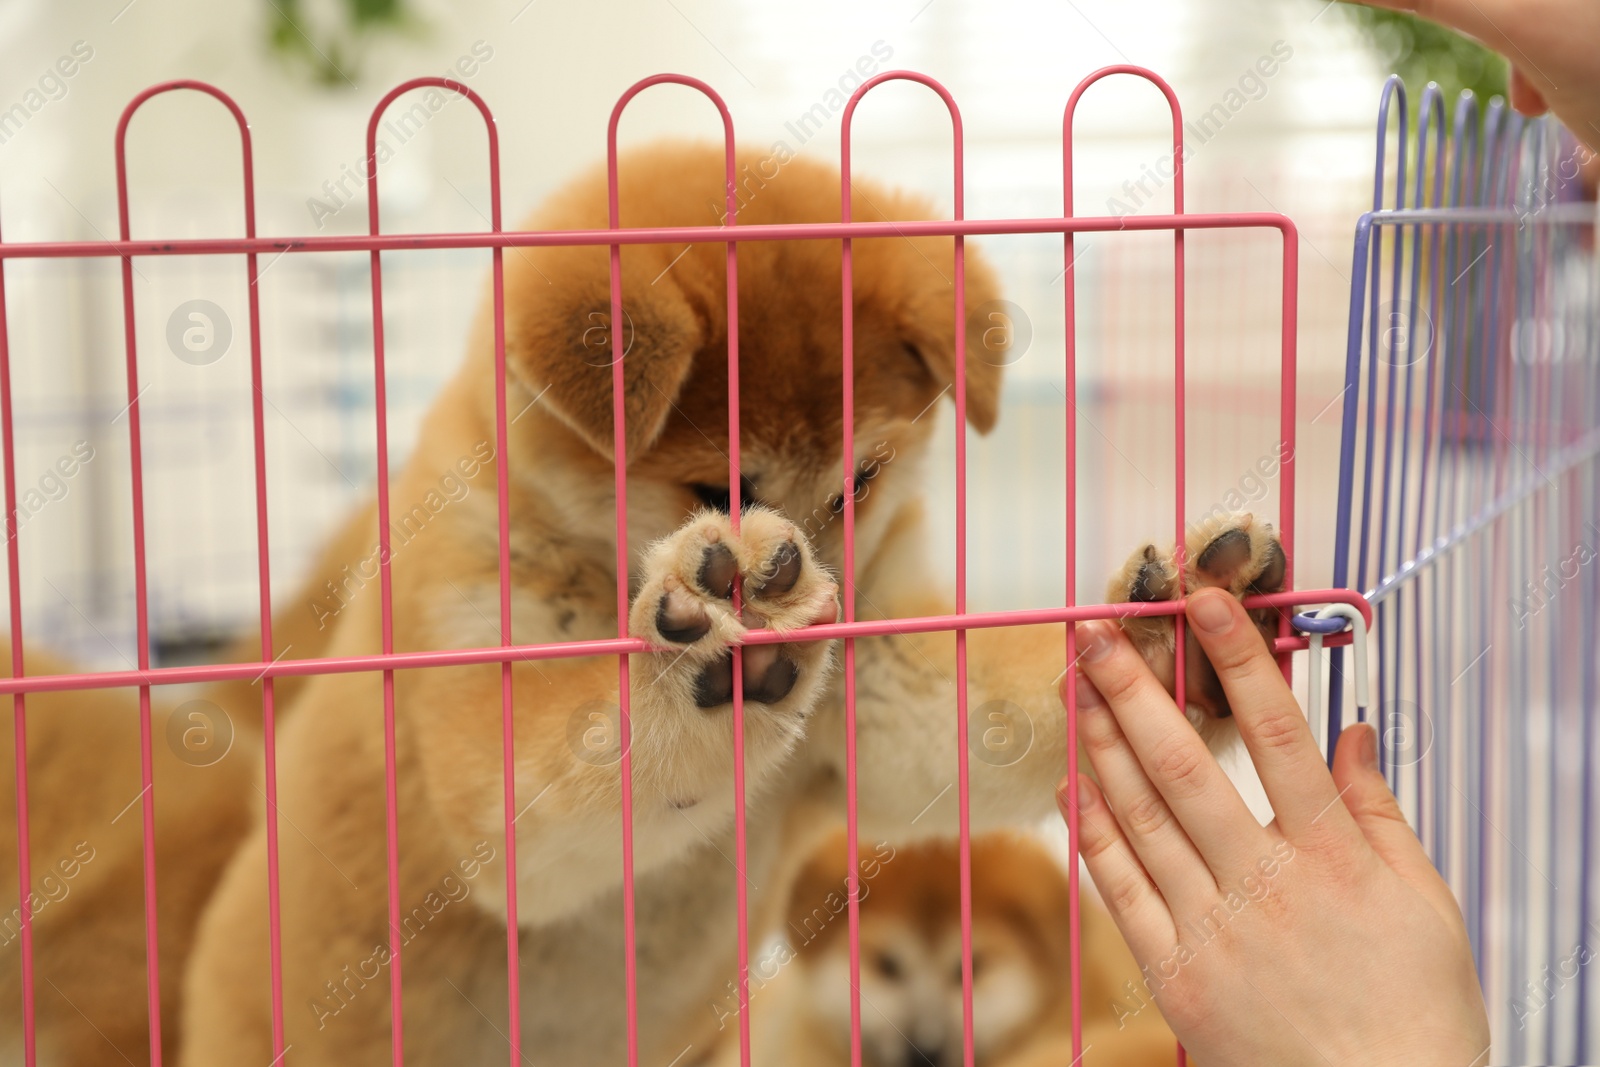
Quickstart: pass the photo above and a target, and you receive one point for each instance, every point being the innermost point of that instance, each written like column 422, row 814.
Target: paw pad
column 680, row 618
column 779, row 575
column 684, row 599
column 1219, row 560
column 769, row 676
column 718, row 569
column 713, row 687
column 1153, row 579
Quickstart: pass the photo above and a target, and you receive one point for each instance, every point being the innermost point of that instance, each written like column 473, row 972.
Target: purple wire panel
column 1468, row 513
column 1552, row 431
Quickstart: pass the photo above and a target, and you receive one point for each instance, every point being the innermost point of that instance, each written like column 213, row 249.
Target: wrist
column 1456, row 1050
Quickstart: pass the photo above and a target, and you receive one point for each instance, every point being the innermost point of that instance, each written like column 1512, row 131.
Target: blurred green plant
column 1420, row 51
column 331, row 57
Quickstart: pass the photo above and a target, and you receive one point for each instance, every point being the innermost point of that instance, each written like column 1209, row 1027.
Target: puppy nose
column 924, row 1055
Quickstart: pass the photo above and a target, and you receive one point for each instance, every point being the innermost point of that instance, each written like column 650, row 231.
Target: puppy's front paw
column 1237, row 552
column 686, row 606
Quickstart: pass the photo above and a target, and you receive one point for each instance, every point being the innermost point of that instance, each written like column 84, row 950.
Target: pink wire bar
column 920, row 624
column 644, row 235
column 141, row 589
column 19, row 711
column 619, row 445
column 263, row 562
column 263, row 554
column 1074, row 826
column 963, row 790
column 391, row 817
column 847, row 274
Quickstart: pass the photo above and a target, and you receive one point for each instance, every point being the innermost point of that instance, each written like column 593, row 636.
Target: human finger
column 1141, row 913
column 1270, row 721
column 1173, row 757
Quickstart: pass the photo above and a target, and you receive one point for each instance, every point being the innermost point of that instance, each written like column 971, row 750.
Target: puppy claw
column 826, row 611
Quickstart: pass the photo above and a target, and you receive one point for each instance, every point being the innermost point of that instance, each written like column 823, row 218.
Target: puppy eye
column 886, row 966
column 977, row 963
column 863, row 474
column 718, row 498
column 915, row 353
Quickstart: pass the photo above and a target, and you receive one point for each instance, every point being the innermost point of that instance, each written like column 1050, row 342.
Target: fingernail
column 1085, row 793
column 1096, row 641
column 1369, row 749
column 1210, row 614
column 1088, row 695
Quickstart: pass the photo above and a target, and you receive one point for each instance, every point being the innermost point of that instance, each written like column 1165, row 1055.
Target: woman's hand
column 1324, row 938
column 1549, row 43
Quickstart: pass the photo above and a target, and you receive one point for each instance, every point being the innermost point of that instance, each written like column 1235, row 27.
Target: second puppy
column 911, row 982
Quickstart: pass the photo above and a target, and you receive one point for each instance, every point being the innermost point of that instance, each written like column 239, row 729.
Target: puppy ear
column 823, row 876
column 559, row 339
column 1016, row 877
column 989, row 331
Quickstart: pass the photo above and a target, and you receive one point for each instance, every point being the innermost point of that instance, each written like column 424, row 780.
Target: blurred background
column 1280, row 97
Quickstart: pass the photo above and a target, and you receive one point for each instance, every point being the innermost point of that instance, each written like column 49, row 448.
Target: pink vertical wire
column 386, row 596
column 503, row 507
column 848, row 582
column 263, row 558
column 140, row 585
column 1069, row 298
column 263, row 555
column 1179, row 471
column 508, row 741
column 963, row 782
column 619, row 447
column 18, row 700
column 1288, row 390
column 507, row 736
